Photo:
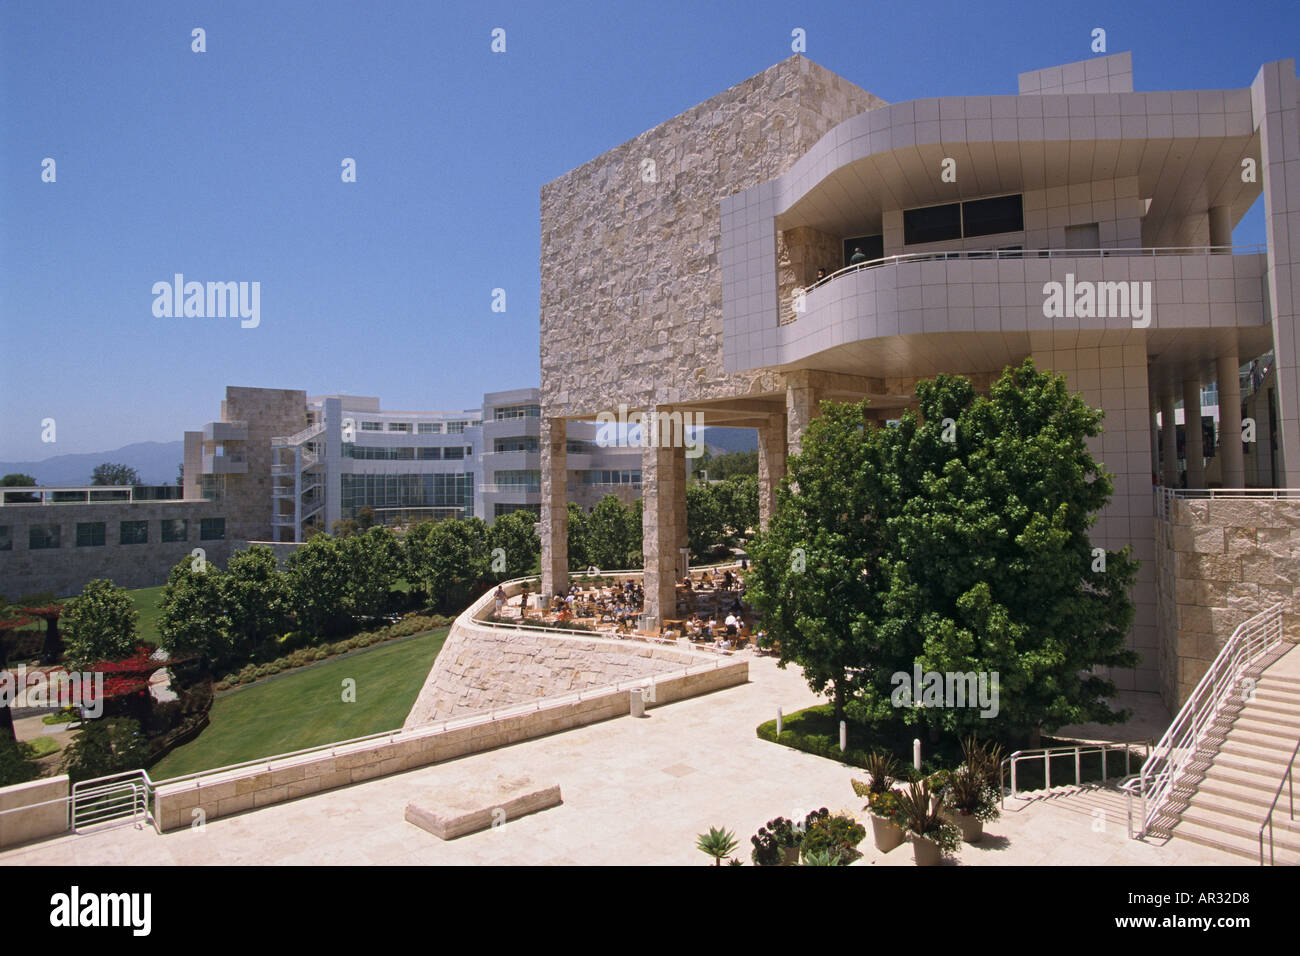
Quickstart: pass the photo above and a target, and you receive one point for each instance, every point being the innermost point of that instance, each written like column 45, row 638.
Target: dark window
column 932, row 224
column 212, row 529
column 133, row 532
column 175, row 529
column 90, row 534
column 873, row 247
column 43, row 536
column 6, row 538
column 986, row 217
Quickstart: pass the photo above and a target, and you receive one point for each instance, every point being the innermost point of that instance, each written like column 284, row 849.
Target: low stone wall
column 22, row 820
column 1218, row 562
column 221, row 794
column 282, row 549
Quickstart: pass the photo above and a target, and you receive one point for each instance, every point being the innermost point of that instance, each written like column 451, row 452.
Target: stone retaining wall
column 1218, row 562
column 30, row 822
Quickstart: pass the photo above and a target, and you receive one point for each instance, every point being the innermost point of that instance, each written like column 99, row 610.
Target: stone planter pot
column 886, row 833
column 925, row 852
column 790, row 856
column 971, row 827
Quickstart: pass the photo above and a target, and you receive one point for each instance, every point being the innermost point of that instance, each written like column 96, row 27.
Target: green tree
column 704, row 520
column 15, row 767
column 104, row 747
column 956, row 542
column 607, row 534
column 733, row 464
column 577, row 538
column 635, row 535
column 449, row 559
column 111, row 474
column 365, row 517
column 191, row 616
column 255, row 599
column 514, row 534
column 317, row 575
column 374, row 562
column 98, row 625
column 17, row 480
column 738, row 503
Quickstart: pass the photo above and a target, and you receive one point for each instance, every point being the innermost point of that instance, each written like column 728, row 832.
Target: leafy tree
column 577, row 538
column 373, row 561
column 956, row 541
column 317, row 575
column 733, row 464
column 255, row 598
column 448, row 559
column 15, row 767
column 514, row 534
column 345, row 528
column 365, row 517
column 191, row 616
column 635, row 535
column 111, row 474
column 704, row 520
column 738, row 504
column 104, row 747
column 98, row 625
column 16, row 480
column 607, row 529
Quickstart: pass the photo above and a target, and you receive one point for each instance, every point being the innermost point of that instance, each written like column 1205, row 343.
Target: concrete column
column 1192, row 430
column 1168, row 441
column 1233, row 468
column 800, row 409
column 555, row 507
column 771, row 466
column 681, row 478
column 1221, row 228
column 663, row 490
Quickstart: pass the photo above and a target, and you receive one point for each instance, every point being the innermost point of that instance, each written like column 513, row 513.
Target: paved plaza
column 636, row 791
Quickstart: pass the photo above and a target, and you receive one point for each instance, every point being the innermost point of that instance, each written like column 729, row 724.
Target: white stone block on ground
column 468, row 807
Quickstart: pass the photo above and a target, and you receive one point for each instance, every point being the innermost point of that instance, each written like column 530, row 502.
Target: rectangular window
column 453, row 454
column 41, row 536
column 987, row 217
column 6, row 538
column 133, row 532
column 873, row 247
column 932, row 224
column 399, row 426
column 175, row 529
column 456, row 428
column 212, row 529
column 430, row 454
column 515, row 444
column 90, row 534
column 527, row 480
column 372, row 426
column 430, row 428
column 517, row 411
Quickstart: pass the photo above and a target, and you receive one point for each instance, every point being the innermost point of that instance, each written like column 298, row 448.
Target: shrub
column 261, row 670
column 772, row 840
column 837, row 835
column 221, row 685
column 319, row 654
column 14, row 765
column 105, row 747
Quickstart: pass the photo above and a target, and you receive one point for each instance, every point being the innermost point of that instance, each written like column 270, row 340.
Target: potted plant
column 717, row 843
column 882, row 802
column 932, row 835
column 776, row 843
column 837, row 835
column 970, row 796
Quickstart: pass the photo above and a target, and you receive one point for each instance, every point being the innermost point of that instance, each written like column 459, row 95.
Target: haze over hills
column 156, row 461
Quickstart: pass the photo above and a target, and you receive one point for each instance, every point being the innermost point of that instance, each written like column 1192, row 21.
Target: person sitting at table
column 723, row 644
column 727, row 579
column 731, row 625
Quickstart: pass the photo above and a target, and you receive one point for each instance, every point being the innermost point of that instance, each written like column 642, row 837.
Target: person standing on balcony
column 858, row 256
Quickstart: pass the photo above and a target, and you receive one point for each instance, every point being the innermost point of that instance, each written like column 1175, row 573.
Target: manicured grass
column 815, row 731
column 304, row 708
column 146, row 602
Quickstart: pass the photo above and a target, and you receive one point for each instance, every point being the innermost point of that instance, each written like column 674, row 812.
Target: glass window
column 399, row 426
column 6, row 538
column 457, row 453
column 516, row 411
column 133, row 532
column 522, row 443
column 430, row 428
column 430, row 454
column 932, row 223
column 456, row 428
column 175, row 529
column 90, row 534
column 372, row 426
column 212, row 529
column 873, row 247
column 985, row 217
column 43, row 536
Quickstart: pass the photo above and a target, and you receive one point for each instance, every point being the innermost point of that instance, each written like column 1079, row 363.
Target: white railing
column 311, row 431
column 1079, row 751
column 1288, row 783
column 1165, row 496
column 118, row 796
column 90, row 494
column 1170, row 758
column 947, row 254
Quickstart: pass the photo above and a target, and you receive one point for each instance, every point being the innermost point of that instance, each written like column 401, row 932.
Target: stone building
column 680, row 275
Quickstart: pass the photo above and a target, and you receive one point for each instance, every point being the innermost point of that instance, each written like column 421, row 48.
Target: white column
column 1168, row 440
column 1233, row 468
column 1192, row 431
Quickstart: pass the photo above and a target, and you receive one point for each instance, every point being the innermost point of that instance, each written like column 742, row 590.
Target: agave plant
column 917, row 813
column 984, row 760
column 717, row 843
column 821, row 858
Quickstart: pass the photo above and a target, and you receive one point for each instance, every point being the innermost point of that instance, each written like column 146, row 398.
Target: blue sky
column 225, row 166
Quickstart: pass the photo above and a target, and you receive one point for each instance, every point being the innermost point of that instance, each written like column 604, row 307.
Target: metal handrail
column 113, row 796
column 947, row 254
column 297, row 438
column 1288, row 780
column 1165, row 765
column 1046, row 754
column 1165, row 495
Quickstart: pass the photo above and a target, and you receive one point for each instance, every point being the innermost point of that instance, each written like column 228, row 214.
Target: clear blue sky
column 225, row 166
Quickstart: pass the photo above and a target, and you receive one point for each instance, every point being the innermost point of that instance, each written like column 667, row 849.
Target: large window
column 133, row 532
column 372, row 426
column 90, row 534
column 630, row 476
column 212, row 529
column 977, row 217
column 873, row 247
column 522, row 443
column 378, row 453
column 456, row 453
column 456, row 428
column 41, row 536
column 527, row 480
column 430, row 428
column 429, row 453
column 175, row 529
column 517, row 411
column 407, row 491
column 576, row 446
column 399, row 426
column 932, row 224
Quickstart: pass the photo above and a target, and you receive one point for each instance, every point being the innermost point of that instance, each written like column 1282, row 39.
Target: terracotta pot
column 971, row 827
column 925, row 851
column 886, row 832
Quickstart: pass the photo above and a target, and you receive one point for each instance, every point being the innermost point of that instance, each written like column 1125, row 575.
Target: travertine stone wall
column 35, row 815
column 631, row 286
column 1219, row 562
column 800, row 252
column 270, row 413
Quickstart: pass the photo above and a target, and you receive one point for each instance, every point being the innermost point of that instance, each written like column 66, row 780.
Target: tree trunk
column 53, row 647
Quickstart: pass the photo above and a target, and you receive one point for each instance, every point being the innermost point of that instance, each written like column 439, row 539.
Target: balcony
column 233, row 464
column 225, row 431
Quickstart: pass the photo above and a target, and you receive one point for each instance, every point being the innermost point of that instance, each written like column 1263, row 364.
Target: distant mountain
column 722, row 440
column 156, row 461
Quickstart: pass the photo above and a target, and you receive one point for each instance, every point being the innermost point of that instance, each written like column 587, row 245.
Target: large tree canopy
column 955, row 542
column 111, row 474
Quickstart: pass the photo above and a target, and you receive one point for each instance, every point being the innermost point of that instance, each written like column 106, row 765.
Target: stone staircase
column 1227, row 797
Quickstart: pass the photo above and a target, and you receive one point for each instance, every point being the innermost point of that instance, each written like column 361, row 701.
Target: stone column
column 555, row 507
column 800, row 408
column 663, row 495
column 1233, row 467
column 1168, row 440
column 771, row 466
column 1192, row 431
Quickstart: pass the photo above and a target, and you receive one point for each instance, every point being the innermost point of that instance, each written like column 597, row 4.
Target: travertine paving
column 636, row 791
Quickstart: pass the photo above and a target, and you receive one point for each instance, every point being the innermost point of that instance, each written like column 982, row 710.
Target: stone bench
column 462, row 808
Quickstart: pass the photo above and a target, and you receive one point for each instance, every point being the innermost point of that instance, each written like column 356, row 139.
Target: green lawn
column 304, row 708
column 146, row 602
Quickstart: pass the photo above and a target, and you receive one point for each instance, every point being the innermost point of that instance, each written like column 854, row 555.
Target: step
column 1235, row 777
column 1230, row 843
column 1285, row 679
column 1272, row 709
column 1244, row 796
column 1227, row 824
column 1252, row 813
column 1266, row 745
column 1274, row 694
column 1240, row 757
column 1253, row 722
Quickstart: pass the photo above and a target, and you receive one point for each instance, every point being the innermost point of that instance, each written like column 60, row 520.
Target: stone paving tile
column 620, row 805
